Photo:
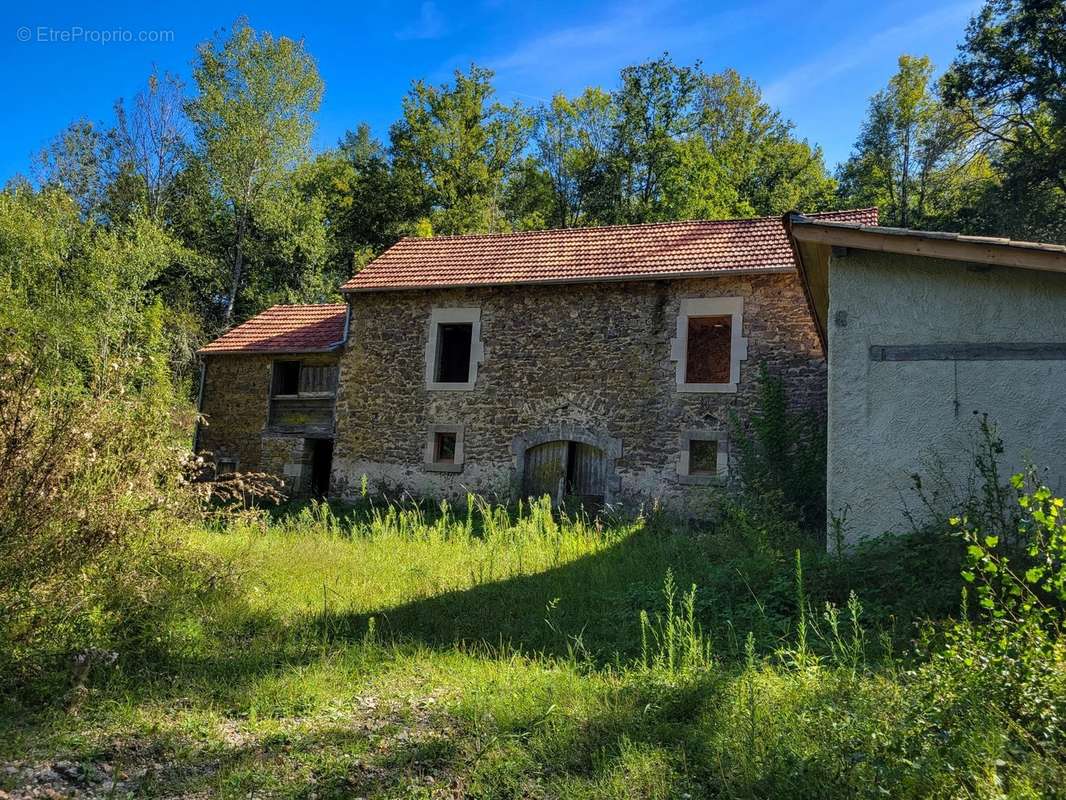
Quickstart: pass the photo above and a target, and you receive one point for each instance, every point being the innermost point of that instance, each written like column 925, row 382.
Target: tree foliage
column 914, row 158
column 1009, row 83
column 671, row 142
column 253, row 117
column 457, row 147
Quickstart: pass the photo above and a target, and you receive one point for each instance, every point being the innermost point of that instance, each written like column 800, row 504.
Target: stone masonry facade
column 590, row 362
column 236, row 427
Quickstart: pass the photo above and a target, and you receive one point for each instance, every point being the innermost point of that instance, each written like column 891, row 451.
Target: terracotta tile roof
column 579, row 255
column 285, row 329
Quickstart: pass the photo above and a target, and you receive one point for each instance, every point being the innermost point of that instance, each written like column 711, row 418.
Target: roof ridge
column 300, row 305
column 625, row 225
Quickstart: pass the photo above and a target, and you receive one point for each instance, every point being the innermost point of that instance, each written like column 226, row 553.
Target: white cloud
column 429, row 25
column 626, row 33
column 847, row 55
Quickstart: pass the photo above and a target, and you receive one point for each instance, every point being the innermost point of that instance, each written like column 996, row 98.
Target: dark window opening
column 453, row 352
column 444, row 448
column 286, row 377
column 225, row 466
column 708, row 351
column 702, row 457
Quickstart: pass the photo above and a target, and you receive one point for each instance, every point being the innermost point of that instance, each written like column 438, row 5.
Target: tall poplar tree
column 253, row 117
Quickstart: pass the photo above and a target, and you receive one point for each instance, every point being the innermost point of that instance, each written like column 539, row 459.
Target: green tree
column 764, row 165
column 253, row 118
column 569, row 170
column 670, row 143
column 76, row 162
column 914, row 157
column 455, row 148
column 366, row 208
column 655, row 113
column 1009, row 82
column 72, row 291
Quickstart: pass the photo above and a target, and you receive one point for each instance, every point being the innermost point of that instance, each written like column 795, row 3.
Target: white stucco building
column 924, row 332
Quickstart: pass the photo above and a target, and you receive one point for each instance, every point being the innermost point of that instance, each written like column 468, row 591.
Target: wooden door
column 546, row 471
column 563, row 469
column 586, row 475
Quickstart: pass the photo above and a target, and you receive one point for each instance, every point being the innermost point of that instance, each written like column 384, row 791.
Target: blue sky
column 817, row 62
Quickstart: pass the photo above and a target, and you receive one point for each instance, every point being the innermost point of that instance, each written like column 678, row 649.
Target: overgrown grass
column 466, row 652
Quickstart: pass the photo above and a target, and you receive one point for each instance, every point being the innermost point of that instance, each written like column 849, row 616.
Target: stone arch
column 610, row 445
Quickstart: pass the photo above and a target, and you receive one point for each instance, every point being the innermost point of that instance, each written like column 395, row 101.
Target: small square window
column 702, row 457
column 444, row 448
column 286, row 377
column 708, row 351
column 453, row 352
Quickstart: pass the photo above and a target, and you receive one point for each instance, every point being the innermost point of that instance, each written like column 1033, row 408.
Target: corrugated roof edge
column 963, row 248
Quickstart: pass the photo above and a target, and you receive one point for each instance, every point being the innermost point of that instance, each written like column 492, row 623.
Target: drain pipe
column 199, row 405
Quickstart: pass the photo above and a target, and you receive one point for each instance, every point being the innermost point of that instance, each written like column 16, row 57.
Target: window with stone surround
column 704, row 458
column 453, row 348
column 709, row 344
column 444, row 448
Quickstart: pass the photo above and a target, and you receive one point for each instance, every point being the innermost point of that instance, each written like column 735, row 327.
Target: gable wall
column 595, row 357
column 235, row 403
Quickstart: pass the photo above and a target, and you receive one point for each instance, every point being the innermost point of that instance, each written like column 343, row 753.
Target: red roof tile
column 579, row 255
column 285, row 329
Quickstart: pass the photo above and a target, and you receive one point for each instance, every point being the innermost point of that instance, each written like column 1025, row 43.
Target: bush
column 781, row 451
column 92, row 489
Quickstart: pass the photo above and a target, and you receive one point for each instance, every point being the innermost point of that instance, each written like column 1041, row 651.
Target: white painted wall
column 888, row 419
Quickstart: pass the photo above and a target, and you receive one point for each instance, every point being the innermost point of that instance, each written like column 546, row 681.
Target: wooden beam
column 1004, row 254
column 971, row 351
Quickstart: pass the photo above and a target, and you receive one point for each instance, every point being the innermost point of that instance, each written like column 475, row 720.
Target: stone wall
column 288, row 457
column 593, row 357
column 236, row 406
column 235, row 403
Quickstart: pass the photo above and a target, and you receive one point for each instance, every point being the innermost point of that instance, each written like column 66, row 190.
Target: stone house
column 597, row 363
column 925, row 332
column 267, row 391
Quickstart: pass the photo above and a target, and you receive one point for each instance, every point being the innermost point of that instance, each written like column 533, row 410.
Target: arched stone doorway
column 565, row 470
column 567, row 463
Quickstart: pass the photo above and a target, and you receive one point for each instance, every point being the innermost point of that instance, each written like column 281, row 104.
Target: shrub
column 91, row 489
column 781, row 451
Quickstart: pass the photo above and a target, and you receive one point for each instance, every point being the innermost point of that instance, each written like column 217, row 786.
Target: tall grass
column 523, row 653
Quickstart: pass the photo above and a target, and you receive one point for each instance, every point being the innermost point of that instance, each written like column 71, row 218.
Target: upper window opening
column 709, row 347
column 708, row 351
column 453, row 349
column 453, row 352
column 286, row 377
column 702, row 457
